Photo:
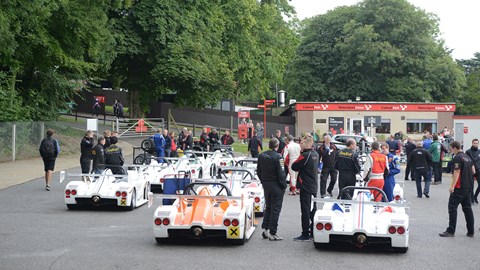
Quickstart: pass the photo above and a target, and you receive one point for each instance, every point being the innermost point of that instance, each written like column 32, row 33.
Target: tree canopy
column 378, row 50
column 470, row 97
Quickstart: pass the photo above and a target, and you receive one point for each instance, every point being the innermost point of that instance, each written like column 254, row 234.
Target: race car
column 175, row 168
column 361, row 222
column 202, row 213
column 247, row 163
column 244, row 181
column 125, row 191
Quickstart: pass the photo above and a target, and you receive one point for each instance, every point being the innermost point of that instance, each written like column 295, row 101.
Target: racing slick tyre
column 138, row 160
column 400, row 249
column 148, row 145
column 161, row 240
column 213, row 170
column 71, row 206
column 133, row 202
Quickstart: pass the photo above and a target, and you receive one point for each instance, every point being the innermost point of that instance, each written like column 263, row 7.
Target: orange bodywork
column 202, row 211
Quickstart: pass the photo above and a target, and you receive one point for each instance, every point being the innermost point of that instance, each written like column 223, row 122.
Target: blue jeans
column 418, row 179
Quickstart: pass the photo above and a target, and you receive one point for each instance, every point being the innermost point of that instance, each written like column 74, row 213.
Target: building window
column 321, row 121
column 384, row 127
column 421, row 125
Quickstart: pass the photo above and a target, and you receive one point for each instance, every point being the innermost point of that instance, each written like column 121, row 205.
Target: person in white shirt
column 290, row 153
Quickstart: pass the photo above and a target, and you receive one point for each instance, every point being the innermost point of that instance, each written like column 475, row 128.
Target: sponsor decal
column 233, row 232
column 123, row 202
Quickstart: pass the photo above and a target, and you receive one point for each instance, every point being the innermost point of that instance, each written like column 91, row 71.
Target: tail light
column 193, row 171
column 118, row 193
column 158, row 221
column 235, row 222
column 319, row 226
column 257, row 199
column 166, row 221
column 397, row 197
column 226, row 222
column 162, row 180
column 392, row 229
column 400, row 230
column 67, row 192
column 74, row 192
column 328, row 226
column 124, row 194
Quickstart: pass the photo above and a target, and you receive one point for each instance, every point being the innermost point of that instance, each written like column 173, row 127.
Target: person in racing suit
column 307, row 167
column 393, row 169
column 114, row 157
column 376, row 167
column 347, row 165
column 270, row 171
column 159, row 141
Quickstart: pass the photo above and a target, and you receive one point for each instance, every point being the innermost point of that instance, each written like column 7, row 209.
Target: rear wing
column 152, row 197
column 90, row 176
column 322, row 201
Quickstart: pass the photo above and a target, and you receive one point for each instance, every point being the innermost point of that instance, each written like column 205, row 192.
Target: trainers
column 274, row 237
column 330, row 194
column 47, row 188
column 302, row 238
column 446, row 234
column 426, row 194
column 265, row 234
column 470, row 234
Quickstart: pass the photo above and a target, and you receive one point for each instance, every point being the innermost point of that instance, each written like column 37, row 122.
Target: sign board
column 101, row 99
column 336, row 125
column 269, row 101
column 92, row 124
column 351, row 106
column 465, row 129
column 376, row 121
column 243, row 114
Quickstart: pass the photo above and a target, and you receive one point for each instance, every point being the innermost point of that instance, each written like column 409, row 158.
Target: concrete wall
column 471, row 129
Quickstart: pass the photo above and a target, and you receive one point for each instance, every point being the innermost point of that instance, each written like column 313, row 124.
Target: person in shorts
column 49, row 150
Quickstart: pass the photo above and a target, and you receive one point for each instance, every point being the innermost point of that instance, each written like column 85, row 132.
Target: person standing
column 474, row 155
column 86, row 146
column 327, row 153
column 260, row 130
column 375, row 167
column 421, row 161
column 98, row 156
column 187, row 142
column 307, row 167
column 254, row 145
column 437, row 149
column 168, row 143
column 49, row 150
column 174, row 145
column 393, row 169
column 159, row 141
column 460, row 191
column 290, row 154
column 409, row 147
column 226, row 138
column 348, row 165
column 96, row 107
column 278, row 135
column 392, row 145
column 270, row 170
column 204, row 140
column 107, row 134
column 213, row 138
column 114, row 157
column 118, row 109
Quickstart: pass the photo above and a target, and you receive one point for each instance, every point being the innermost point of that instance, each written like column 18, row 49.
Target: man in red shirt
column 375, row 166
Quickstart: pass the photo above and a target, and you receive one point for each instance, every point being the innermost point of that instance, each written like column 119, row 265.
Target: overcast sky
column 459, row 20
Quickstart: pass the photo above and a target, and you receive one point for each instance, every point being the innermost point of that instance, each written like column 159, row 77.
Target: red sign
column 101, row 99
column 465, row 130
column 270, row 101
column 350, row 106
column 261, row 106
column 243, row 114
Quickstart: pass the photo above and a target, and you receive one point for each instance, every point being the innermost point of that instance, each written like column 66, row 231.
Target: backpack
column 47, row 149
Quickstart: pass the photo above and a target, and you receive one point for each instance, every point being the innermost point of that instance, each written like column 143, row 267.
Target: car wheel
column 147, row 145
column 161, row 240
column 400, row 249
column 133, row 202
column 71, row 206
column 139, row 160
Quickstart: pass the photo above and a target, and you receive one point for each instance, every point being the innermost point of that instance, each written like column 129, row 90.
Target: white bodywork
column 361, row 222
column 127, row 191
column 202, row 215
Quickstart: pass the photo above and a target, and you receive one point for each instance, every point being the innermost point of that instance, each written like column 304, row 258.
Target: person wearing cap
column 421, row 161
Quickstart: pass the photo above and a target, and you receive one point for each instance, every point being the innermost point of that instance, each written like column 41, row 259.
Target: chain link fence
column 21, row 140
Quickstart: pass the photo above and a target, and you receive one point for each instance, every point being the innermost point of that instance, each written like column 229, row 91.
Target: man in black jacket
column 98, row 154
column 327, row 153
column 168, row 143
column 307, row 167
column 348, row 165
column 474, row 155
column 254, row 144
column 270, row 170
column 421, row 161
column 114, row 156
column 409, row 147
column 86, row 146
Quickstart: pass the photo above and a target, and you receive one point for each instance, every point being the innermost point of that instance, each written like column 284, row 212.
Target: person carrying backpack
column 49, row 150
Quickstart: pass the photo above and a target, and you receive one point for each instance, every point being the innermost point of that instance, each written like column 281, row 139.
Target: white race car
column 126, row 191
column 202, row 212
column 360, row 221
column 176, row 168
column 244, row 181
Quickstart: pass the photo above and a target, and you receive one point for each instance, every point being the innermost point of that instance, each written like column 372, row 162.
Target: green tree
column 47, row 47
column 384, row 50
column 470, row 98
